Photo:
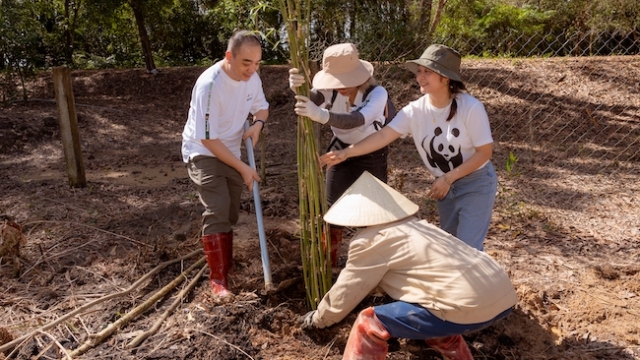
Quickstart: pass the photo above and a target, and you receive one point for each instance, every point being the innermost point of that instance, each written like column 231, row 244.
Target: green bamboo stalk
column 313, row 204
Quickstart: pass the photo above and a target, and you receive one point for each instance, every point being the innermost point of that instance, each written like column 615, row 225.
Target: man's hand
column 306, row 321
column 306, row 107
column 254, row 132
column 248, row 176
column 295, row 79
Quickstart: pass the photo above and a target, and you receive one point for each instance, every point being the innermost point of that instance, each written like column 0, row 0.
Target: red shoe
column 451, row 347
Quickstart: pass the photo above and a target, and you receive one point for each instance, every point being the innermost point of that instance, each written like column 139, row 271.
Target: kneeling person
column 443, row 287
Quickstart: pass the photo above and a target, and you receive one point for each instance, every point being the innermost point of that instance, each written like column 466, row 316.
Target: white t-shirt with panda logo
column 444, row 145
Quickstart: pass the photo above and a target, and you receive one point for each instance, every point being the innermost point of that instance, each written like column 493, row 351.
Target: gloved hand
column 295, row 79
column 306, row 107
column 306, row 321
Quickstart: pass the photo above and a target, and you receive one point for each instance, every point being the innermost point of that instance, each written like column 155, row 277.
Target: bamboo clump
column 316, row 262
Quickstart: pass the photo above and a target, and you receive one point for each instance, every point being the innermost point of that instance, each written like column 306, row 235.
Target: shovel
column 256, row 198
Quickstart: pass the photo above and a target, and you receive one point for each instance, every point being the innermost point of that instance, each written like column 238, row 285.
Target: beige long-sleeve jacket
column 417, row 262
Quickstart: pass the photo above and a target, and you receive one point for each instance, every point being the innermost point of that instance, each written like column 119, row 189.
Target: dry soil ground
column 579, row 291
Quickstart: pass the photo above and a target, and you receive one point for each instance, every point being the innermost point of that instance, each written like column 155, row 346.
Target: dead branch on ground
column 55, row 341
column 178, row 300
column 157, row 269
column 113, row 327
column 137, row 242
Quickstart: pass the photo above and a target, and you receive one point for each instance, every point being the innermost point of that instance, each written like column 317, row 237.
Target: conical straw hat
column 368, row 202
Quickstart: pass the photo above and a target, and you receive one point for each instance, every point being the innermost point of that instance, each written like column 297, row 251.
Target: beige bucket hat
column 368, row 202
column 341, row 68
column 439, row 58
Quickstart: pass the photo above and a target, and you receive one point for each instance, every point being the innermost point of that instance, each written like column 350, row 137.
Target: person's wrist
column 348, row 150
column 261, row 122
column 446, row 179
column 323, row 116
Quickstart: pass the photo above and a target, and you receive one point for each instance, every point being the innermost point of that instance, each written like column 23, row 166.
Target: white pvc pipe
column 261, row 234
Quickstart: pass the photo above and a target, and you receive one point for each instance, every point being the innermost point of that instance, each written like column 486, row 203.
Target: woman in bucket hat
column 346, row 97
column 442, row 287
column 451, row 131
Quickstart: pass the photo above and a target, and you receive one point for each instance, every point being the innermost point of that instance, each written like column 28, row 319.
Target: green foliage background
column 92, row 34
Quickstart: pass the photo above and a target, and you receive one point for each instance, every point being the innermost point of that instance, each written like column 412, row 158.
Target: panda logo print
column 443, row 152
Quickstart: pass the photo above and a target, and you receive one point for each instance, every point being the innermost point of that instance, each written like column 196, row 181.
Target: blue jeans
column 466, row 210
column 411, row 321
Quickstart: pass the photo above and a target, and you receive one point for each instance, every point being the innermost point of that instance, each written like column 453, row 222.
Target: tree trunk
column 354, row 15
column 425, row 16
column 144, row 37
column 71, row 10
column 436, row 18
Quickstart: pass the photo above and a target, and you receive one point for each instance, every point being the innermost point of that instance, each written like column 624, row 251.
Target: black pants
column 343, row 175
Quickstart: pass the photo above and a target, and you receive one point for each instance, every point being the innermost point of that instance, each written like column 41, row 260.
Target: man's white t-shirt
column 230, row 102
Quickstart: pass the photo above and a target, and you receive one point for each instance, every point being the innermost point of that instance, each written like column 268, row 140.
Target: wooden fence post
column 69, row 126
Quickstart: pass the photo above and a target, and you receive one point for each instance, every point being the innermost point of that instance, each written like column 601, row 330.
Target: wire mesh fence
column 574, row 110
column 515, row 43
column 566, row 125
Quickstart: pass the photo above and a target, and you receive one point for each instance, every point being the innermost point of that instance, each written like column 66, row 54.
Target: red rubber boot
column 336, row 241
column 229, row 253
column 451, row 347
column 368, row 338
column 218, row 249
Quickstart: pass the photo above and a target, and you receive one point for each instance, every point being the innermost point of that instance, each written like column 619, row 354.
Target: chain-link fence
column 565, row 43
column 566, row 127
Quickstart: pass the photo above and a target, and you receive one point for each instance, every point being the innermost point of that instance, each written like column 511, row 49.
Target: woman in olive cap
column 452, row 134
